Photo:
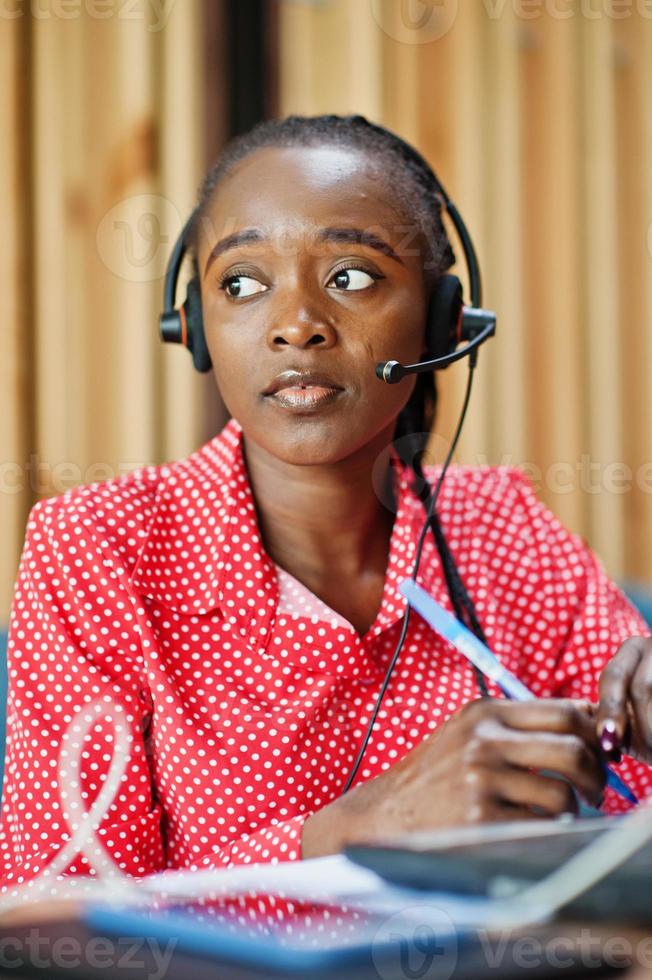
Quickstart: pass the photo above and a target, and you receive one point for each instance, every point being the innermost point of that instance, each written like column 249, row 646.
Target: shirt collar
column 203, row 541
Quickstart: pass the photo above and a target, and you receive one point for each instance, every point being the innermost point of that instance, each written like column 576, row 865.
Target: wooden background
column 538, row 119
column 104, row 147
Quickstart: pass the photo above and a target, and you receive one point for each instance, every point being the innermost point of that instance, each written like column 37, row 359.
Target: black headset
column 449, row 323
column 184, row 325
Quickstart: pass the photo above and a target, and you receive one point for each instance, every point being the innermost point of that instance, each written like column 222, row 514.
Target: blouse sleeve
column 278, row 841
column 68, row 591
column 596, row 616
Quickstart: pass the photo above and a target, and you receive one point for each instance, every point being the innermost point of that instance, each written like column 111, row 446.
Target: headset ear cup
column 444, row 310
column 196, row 341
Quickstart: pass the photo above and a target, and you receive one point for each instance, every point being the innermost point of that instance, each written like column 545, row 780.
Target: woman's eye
column 238, row 286
column 353, row 279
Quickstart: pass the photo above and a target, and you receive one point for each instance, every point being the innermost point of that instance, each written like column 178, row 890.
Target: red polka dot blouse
column 246, row 696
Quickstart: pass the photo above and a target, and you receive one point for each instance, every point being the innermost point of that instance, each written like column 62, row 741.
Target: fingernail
column 609, row 738
column 607, row 743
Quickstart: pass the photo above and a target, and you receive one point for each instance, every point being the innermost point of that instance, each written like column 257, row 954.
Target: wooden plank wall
column 538, row 118
column 104, row 151
column 16, row 423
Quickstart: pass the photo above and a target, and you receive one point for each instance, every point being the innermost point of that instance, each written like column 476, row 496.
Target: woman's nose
column 301, row 331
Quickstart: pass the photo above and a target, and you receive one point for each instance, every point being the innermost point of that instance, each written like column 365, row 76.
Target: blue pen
column 475, row 650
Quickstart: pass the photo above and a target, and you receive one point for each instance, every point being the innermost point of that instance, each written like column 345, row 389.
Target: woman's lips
column 306, row 398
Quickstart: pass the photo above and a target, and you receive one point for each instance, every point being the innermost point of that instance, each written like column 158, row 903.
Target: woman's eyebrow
column 356, row 235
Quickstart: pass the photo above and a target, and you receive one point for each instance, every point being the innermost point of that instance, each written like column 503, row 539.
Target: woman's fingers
column 554, row 734
column 524, row 788
column 615, row 690
column 563, row 716
column 502, row 810
column 566, row 753
column 640, row 696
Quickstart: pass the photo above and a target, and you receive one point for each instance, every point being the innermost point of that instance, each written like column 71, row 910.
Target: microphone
column 478, row 325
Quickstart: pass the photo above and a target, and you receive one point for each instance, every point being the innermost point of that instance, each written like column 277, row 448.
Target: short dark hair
column 409, row 177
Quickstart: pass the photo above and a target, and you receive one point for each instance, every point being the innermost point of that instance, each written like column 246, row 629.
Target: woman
column 242, row 604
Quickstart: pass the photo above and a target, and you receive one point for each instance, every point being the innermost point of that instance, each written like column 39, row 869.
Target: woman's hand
column 624, row 713
column 477, row 767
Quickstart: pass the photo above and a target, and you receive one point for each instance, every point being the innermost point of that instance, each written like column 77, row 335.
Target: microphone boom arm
column 478, row 326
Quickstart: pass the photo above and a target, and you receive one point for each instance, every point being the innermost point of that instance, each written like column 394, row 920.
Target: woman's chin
column 311, row 442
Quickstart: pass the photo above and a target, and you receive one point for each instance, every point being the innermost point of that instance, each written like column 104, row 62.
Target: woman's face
column 292, row 296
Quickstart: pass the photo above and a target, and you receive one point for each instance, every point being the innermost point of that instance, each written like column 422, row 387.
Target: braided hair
column 416, row 191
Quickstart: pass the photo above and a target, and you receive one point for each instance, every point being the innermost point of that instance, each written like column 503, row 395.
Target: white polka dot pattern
column 247, row 703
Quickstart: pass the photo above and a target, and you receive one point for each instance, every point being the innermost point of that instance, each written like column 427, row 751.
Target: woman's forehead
column 321, row 176
column 317, row 166
column 303, row 186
